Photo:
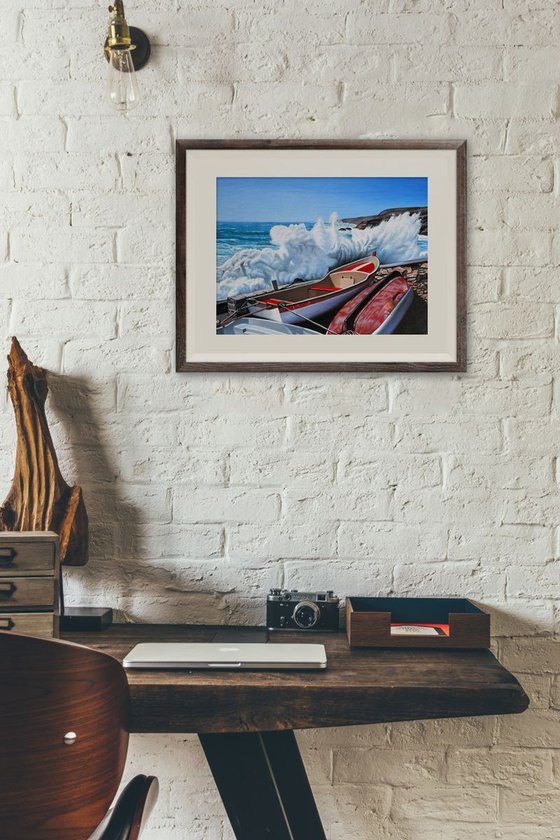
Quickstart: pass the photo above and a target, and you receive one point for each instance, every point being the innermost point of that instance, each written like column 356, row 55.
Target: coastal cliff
column 362, row 222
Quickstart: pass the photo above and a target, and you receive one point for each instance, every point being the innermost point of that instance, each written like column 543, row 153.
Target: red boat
column 377, row 310
column 300, row 301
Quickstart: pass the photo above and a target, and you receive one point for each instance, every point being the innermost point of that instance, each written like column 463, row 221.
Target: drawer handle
column 7, row 556
column 7, row 590
column 6, row 624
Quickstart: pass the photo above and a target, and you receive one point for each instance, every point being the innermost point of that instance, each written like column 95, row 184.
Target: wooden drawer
column 26, row 554
column 35, row 624
column 21, row 593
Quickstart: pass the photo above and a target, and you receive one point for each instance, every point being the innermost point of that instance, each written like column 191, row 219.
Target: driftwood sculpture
column 40, row 499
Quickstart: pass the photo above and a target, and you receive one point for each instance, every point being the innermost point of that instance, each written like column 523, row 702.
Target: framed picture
column 321, row 256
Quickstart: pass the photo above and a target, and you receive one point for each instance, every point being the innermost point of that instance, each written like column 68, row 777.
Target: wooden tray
column 368, row 622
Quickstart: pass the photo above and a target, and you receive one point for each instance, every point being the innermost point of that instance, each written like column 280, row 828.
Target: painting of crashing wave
column 321, row 256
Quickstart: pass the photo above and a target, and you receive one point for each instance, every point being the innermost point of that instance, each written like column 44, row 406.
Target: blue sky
column 304, row 199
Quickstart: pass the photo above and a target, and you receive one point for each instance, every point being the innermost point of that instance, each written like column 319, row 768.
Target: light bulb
column 122, row 87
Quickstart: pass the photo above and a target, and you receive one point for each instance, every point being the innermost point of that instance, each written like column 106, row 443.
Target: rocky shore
column 362, row 222
column 418, row 279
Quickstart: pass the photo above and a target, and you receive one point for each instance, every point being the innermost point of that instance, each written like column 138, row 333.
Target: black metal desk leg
column 263, row 785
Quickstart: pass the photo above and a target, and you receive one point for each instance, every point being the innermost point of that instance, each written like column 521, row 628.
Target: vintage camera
column 293, row 610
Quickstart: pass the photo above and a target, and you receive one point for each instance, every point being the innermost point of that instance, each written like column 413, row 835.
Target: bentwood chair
column 63, row 745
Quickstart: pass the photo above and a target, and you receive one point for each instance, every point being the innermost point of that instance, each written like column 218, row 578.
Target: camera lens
column 306, row 615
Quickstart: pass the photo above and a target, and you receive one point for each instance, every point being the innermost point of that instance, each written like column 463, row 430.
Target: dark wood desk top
column 358, row 687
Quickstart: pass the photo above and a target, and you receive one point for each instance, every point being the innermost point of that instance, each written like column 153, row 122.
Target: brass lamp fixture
column 127, row 49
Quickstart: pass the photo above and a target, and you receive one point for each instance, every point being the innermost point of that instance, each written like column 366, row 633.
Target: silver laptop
column 225, row 655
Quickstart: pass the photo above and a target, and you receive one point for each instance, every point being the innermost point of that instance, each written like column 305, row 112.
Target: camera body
column 308, row 611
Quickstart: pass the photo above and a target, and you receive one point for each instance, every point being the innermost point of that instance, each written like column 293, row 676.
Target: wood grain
column 25, row 553
column 358, row 687
column 27, row 593
column 182, row 365
column 181, row 256
column 36, row 624
column 50, row 790
column 39, row 498
column 373, row 629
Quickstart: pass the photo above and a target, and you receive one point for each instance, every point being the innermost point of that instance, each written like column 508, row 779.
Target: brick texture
column 204, row 491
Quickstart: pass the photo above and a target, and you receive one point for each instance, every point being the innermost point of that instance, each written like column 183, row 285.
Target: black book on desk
column 85, row 619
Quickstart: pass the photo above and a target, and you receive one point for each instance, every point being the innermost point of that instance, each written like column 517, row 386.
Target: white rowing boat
column 260, row 326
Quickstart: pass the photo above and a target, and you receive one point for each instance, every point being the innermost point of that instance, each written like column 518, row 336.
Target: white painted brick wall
column 204, row 491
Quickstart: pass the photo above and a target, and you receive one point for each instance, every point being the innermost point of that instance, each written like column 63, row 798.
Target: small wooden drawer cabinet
column 29, row 582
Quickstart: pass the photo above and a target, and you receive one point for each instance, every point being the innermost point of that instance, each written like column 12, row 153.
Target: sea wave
column 305, row 253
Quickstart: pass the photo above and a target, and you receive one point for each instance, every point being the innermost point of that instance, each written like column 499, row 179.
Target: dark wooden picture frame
column 182, row 365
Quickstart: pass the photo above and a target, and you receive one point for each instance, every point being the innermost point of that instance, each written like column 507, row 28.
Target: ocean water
column 250, row 255
column 233, row 236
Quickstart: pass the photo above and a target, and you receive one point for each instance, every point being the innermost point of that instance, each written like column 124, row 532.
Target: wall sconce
column 127, row 49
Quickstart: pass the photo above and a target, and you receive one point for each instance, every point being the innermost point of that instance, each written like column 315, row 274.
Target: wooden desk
column 245, row 720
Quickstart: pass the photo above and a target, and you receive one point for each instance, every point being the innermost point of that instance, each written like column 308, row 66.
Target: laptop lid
column 225, row 655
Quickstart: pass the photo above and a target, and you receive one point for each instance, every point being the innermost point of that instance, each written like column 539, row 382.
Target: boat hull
column 382, row 313
column 392, row 322
column 339, row 323
column 260, row 326
column 314, row 309
column 315, row 298
column 375, row 311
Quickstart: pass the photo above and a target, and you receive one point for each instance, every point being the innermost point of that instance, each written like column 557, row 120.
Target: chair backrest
column 53, row 787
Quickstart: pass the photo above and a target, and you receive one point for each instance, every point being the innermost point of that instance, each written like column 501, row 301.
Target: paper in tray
column 419, row 629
